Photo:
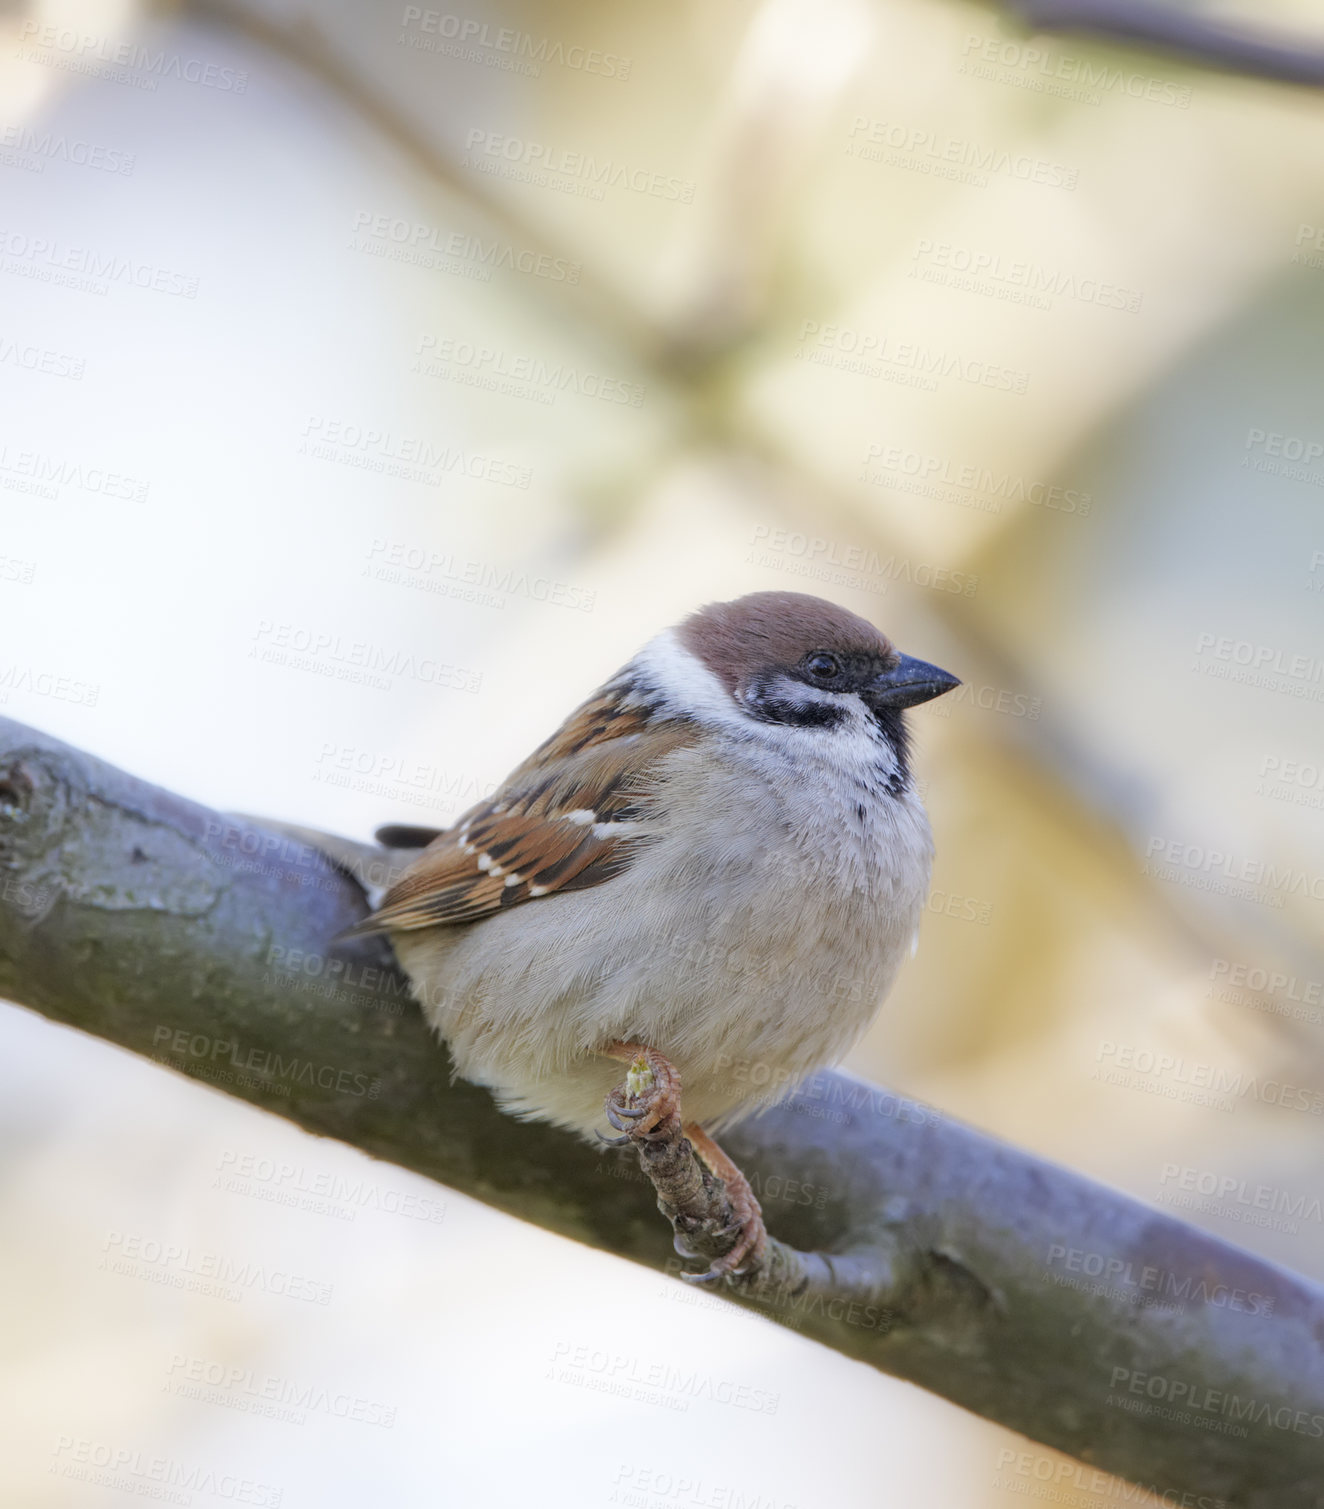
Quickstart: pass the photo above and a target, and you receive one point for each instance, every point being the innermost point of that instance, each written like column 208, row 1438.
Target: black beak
column 909, row 683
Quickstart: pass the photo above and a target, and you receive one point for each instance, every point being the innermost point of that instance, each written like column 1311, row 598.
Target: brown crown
column 775, row 628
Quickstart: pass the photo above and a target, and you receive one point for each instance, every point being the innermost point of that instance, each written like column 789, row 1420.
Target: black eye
column 822, row 666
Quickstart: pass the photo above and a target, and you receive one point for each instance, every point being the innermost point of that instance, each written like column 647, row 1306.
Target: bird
column 713, row 870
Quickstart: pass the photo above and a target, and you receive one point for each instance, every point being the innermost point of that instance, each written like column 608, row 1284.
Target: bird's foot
column 751, row 1234
column 646, row 1104
column 714, row 1213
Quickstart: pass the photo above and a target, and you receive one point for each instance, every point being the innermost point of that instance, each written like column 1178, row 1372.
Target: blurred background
column 342, row 338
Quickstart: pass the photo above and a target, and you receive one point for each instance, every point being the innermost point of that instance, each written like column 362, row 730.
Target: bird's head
column 785, row 657
column 788, row 661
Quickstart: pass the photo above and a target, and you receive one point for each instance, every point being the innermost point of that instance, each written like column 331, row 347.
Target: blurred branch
column 304, row 44
column 1014, row 1288
column 1180, row 31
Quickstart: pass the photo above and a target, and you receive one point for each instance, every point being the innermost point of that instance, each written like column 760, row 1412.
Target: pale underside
column 741, row 903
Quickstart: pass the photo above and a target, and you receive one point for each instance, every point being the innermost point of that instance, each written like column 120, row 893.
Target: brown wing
column 571, row 816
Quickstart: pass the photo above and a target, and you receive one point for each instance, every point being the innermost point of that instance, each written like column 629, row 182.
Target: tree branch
column 1014, row 1288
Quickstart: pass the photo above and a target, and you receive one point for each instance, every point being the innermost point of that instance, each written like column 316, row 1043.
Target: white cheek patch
column 795, row 693
column 687, row 688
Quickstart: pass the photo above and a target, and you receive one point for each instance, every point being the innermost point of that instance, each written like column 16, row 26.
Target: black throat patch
column 891, row 723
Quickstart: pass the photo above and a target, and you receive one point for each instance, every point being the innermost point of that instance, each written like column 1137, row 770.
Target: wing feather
column 571, row 816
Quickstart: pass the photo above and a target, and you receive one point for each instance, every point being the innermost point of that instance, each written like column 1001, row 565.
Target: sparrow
column 712, row 870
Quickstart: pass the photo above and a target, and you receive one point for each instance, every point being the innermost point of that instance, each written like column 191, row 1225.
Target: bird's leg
column 753, row 1238
column 708, row 1209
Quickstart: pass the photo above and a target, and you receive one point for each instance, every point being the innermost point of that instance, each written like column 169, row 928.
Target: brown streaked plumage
column 541, row 833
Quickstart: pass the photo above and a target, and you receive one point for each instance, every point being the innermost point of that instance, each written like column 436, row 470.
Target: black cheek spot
column 770, row 706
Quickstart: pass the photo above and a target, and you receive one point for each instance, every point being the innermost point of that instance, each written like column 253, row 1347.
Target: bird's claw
column 723, row 1267
column 707, row 1279
column 740, row 1260
column 715, row 1272
column 683, row 1248
column 647, row 1100
column 625, row 1112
